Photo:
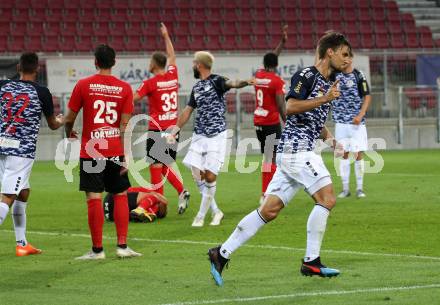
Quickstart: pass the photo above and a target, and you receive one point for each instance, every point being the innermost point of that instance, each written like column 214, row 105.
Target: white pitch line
column 206, row 243
column 307, row 294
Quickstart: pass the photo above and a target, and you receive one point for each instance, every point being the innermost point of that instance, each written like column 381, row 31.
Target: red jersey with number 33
column 268, row 86
column 103, row 98
column 161, row 91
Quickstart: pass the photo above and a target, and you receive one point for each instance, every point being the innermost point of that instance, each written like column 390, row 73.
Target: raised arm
column 239, row 83
column 283, row 40
column 171, row 55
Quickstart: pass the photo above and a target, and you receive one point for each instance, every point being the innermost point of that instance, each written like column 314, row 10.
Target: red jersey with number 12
column 103, row 98
column 161, row 91
column 268, row 86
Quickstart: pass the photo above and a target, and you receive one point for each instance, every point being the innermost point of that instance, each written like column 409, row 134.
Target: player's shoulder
column 5, row 82
column 359, row 73
column 172, row 69
column 307, row 73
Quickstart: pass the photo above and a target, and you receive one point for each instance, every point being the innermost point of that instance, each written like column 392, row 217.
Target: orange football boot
column 26, row 250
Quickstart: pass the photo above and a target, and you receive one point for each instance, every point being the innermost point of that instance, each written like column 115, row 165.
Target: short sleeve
column 192, row 100
column 144, row 89
column 299, row 87
column 279, row 87
column 46, row 101
column 128, row 106
column 363, row 86
column 172, row 69
column 220, row 84
column 75, row 102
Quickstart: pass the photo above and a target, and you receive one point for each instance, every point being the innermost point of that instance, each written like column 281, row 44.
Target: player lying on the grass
column 161, row 90
column 270, row 106
column 107, row 104
column 144, row 204
column 22, row 103
column 207, row 150
column 348, row 113
column 298, row 166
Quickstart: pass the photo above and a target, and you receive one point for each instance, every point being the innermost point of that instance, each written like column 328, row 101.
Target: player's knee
column 270, row 209
column 210, row 177
column 329, row 201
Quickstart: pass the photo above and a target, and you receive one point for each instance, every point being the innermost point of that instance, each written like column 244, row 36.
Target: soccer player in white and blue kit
column 298, row 166
column 348, row 113
column 207, row 151
column 22, row 103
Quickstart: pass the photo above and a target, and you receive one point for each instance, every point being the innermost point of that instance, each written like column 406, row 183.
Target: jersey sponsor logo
column 304, row 72
column 309, row 74
column 105, row 133
column 298, row 87
column 261, row 112
column 168, row 84
column 262, row 81
column 105, row 89
column 9, row 143
column 172, row 115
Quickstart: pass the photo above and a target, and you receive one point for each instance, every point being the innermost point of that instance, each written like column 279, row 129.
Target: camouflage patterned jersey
column 22, row 103
column 208, row 97
column 303, row 129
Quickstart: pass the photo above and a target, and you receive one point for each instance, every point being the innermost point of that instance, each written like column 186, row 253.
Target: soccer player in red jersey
column 270, row 105
column 161, row 90
column 107, row 104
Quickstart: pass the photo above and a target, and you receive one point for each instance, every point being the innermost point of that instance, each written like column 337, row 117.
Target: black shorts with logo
column 158, row 150
column 99, row 175
column 264, row 131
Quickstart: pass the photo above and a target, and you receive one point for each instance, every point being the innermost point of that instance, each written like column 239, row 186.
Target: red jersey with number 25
column 103, row 98
column 161, row 91
column 268, row 86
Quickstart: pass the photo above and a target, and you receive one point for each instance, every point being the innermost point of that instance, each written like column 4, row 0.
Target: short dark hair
column 160, row 59
column 332, row 40
column 270, row 60
column 105, row 56
column 28, row 62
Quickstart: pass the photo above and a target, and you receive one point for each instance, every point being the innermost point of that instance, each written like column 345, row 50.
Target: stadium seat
column 16, row 44
column 37, row 14
column 349, row 15
column 244, row 28
column 101, row 29
column 87, row 15
column 214, row 15
column 425, row 37
column 33, row 43
column 51, row 44
column 67, row 43
column 307, row 42
column 229, row 42
column 197, row 43
column 181, row 43
column 119, row 15
column 212, row 28
column 259, row 42
column 430, row 97
column 167, row 4
column 230, row 102
column 18, row 29
column 377, row 4
column 395, row 28
column 197, row 28
column 8, row 5
column 259, row 16
column 288, row 4
column 412, row 40
column 382, row 41
column 245, row 15
column 134, row 44
column 213, row 43
column 71, row 15
column 260, row 29
column 291, row 44
column 379, row 27
column 413, row 97
column 228, row 28
column 104, row 4
column 86, row 28
column 393, row 16
column 54, row 15
column 184, row 4
column 355, row 41
column 274, row 4
column 103, row 14
column 247, row 100
column 120, row 5
column 118, row 43
column 22, row 4
column 397, row 41
column 71, row 4
column 367, row 41
column 35, row 29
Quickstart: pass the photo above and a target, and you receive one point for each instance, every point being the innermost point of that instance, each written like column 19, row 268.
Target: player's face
column 339, row 59
column 196, row 69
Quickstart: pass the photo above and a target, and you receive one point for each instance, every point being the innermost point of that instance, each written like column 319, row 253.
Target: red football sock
column 120, row 214
column 96, row 221
column 267, row 174
column 172, row 178
column 156, row 178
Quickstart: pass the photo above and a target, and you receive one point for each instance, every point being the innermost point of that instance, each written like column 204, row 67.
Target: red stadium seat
column 259, row 29
column 6, row 5
column 87, row 15
column 35, row 29
column 355, row 41
column 101, row 29
column 120, row 5
column 23, row 4
column 197, row 43
column 103, row 4
column 71, row 4
column 397, row 41
column 350, row 15
column 86, row 28
column 137, row 16
column 307, row 42
column 149, row 5
column 288, row 4
column 213, row 43
column 365, row 29
column 292, row 43
column 167, row 16
column 103, row 14
column 197, row 28
column 307, row 28
column 37, row 14
column 382, row 41
column 367, row 41
column 245, row 15
column 119, row 15
column 214, row 15
column 51, row 44
column 320, row 5
column 183, row 4
column 395, row 28
column 414, row 98
column 184, row 15
column 378, row 14
column 335, row 5
column 258, row 4
column 167, row 4
column 425, row 36
column 33, row 44
column 54, row 15
column 71, row 15
column 230, row 15
column 5, row 28
column 393, row 16
column 230, row 102
column 228, row 28
column 247, row 100
column 244, row 28
column 320, row 16
column 16, row 44
column 181, row 43
column 275, row 15
column 67, row 43
column 380, row 27
column 274, row 4
column 118, row 43
column 259, row 42
column 212, row 28
column 259, row 16
column 229, row 42
column 412, row 40
column 351, row 28
column 134, row 44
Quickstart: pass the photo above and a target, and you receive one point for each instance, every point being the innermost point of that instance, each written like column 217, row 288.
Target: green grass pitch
column 387, row 246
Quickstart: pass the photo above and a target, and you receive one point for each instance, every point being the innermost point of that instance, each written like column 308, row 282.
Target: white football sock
column 4, row 209
column 245, row 229
column 344, row 172
column 207, row 196
column 19, row 217
column 359, row 171
column 201, row 187
column 315, row 231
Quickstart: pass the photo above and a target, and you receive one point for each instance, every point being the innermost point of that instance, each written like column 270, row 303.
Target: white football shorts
column 206, row 153
column 14, row 174
column 352, row 137
column 302, row 170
